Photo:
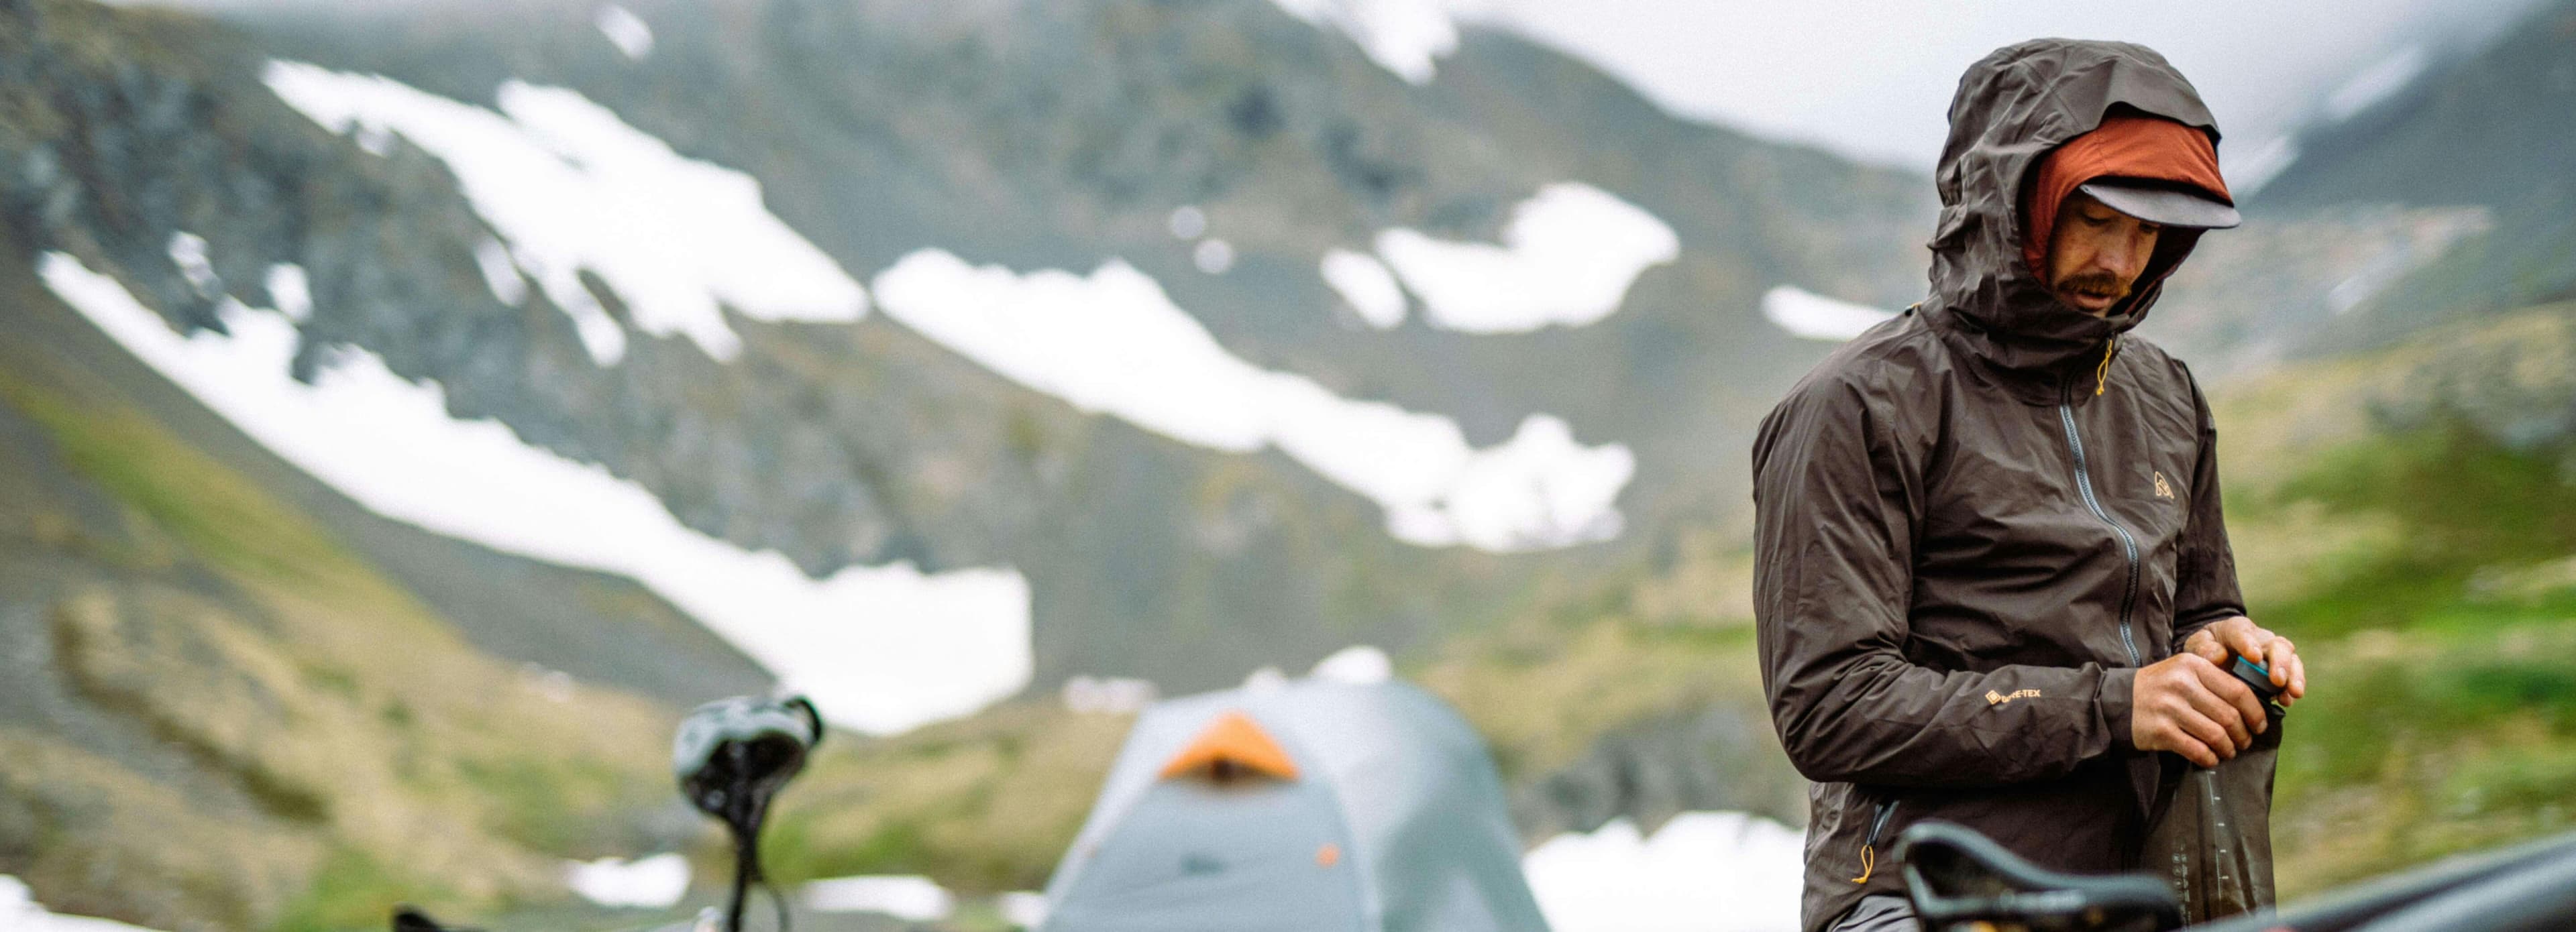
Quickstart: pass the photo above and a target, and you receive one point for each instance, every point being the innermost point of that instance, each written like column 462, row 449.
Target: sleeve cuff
column 2119, row 687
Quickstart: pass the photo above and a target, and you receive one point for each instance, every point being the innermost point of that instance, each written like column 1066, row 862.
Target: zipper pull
column 2102, row 374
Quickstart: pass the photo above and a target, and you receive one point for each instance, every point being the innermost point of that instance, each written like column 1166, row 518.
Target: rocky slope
column 215, row 652
column 1045, row 135
column 196, row 619
column 232, row 696
column 2438, row 196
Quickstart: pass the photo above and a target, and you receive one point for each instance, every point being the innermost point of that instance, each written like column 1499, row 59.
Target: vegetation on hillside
column 347, row 749
column 2426, row 567
column 2421, row 550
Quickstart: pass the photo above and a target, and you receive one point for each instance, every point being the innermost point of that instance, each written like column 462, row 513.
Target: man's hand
column 2240, row 636
column 2187, row 705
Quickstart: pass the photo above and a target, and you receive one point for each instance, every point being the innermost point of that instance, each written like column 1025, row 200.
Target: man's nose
column 2125, row 256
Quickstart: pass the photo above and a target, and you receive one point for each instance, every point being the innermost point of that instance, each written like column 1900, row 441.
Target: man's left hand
column 2240, row 636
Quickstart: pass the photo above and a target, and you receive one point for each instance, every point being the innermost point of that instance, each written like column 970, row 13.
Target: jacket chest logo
column 2163, row 489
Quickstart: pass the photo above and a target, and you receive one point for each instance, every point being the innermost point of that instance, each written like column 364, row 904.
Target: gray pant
column 1878, row 912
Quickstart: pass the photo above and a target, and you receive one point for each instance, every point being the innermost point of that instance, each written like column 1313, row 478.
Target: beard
column 2094, row 284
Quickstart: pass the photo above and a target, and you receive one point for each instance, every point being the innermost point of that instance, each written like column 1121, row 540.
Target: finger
column 2244, row 638
column 2206, row 730
column 2167, row 734
column 2276, row 658
column 2246, row 708
column 2192, row 749
column 2207, row 715
column 2205, row 645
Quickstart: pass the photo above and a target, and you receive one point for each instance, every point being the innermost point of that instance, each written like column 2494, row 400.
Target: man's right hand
column 2189, row 706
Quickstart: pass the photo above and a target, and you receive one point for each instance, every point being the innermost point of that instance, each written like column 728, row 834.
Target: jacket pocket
column 1869, row 843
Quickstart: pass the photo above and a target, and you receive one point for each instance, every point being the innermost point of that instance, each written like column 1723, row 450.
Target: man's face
column 2095, row 253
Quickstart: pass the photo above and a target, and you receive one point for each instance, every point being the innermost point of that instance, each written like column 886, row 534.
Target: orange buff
column 2146, row 147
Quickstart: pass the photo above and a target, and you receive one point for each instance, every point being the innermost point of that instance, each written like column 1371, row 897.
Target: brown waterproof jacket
column 1977, row 520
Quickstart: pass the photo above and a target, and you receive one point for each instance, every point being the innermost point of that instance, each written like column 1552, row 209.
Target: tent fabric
column 1396, row 822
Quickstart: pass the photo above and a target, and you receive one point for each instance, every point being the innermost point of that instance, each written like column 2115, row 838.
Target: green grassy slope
column 223, row 711
column 2392, row 519
column 2426, row 567
column 353, row 749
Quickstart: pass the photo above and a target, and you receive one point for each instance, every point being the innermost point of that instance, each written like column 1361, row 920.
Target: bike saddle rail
column 1956, row 877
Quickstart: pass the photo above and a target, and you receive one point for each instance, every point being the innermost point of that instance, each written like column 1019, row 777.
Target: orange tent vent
column 1233, row 746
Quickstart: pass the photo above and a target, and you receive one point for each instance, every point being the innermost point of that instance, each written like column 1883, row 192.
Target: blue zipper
column 2128, row 544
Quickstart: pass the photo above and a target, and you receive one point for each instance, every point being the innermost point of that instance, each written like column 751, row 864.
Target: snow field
column 879, row 649
column 19, row 912
column 1407, row 37
column 1365, row 284
column 1358, row 663
column 570, row 187
column 1813, row 316
column 907, row 897
column 624, row 29
column 1113, row 343
column 656, row 882
column 1701, row 872
column 1568, row 255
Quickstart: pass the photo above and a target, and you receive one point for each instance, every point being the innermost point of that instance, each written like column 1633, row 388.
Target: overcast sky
column 1873, row 78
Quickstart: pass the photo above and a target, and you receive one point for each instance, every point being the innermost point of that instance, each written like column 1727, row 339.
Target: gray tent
column 1309, row 805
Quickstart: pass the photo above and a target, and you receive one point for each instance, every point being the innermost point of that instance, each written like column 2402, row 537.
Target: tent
column 1313, row 804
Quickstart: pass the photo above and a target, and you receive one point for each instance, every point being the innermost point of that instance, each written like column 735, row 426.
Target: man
column 1992, row 582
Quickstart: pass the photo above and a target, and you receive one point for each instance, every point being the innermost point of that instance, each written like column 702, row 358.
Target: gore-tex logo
column 1996, row 698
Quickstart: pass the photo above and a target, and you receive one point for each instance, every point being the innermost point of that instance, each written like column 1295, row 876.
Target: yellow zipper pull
column 2102, row 374
column 1868, row 864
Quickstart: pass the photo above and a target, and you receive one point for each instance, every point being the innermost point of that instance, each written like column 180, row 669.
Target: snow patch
column 1113, row 342
column 1187, row 222
column 1568, row 256
column 1024, row 908
column 880, row 649
column 655, row 882
column 2383, row 79
column 1815, row 317
column 1358, row 663
column 19, row 912
column 625, row 30
column 1703, row 871
column 293, row 292
column 188, row 252
column 906, row 897
column 2249, row 172
column 501, row 274
column 1365, row 284
column 1408, row 37
column 375, row 140
column 570, row 187
column 2422, row 240
column 1110, row 695
column 1213, row 256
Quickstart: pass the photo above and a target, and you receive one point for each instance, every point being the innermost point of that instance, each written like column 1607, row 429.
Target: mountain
column 1035, row 136
column 407, row 409
column 410, row 464
column 2432, row 187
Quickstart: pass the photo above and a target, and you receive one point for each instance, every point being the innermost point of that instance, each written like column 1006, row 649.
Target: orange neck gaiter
column 2126, row 146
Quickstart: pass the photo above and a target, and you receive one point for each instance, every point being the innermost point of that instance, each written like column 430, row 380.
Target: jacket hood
column 2012, row 108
